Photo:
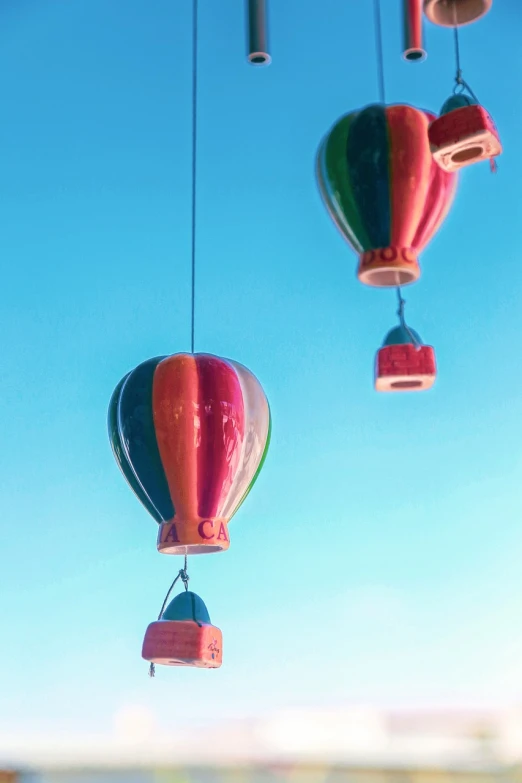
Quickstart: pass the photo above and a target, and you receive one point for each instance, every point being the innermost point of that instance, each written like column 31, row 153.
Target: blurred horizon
column 428, row 738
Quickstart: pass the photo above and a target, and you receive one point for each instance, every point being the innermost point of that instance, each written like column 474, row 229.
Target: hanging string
column 379, row 50
column 183, row 575
column 382, row 98
column 457, row 46
column 194, row 157
column 400, row 313
column 460, row 84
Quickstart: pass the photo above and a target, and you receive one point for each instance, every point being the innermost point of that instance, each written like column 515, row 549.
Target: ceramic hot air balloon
column 456, row 13
column 463, row 134
column 383, row 190
column 404, row 363
column 190, row 433
column 184, row 635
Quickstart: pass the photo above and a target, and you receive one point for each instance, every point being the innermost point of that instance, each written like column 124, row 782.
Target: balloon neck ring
column 388, row 267
column 193, row 537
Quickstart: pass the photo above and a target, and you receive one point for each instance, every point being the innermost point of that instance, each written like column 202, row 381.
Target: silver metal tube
column 257, row 32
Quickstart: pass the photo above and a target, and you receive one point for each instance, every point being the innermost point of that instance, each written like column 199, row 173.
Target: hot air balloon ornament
column 404, row 363
column 190, row 434
column 463, row 134
column 183, row 635
column 383, row 190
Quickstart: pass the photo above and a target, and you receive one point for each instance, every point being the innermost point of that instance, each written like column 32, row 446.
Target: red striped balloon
column 190, row 434
column 383, row 189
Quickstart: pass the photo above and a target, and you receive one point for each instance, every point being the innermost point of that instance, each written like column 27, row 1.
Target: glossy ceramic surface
column 190, row 434
column 383, row 190
column 399, row 335
column 458, row 101
column 183, row 643
column 405, row 368
column 187, row 606
column 447, row 13
column 463, row 135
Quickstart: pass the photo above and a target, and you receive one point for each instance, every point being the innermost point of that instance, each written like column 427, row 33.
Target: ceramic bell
column 463, row 134
column 451, row 13
column 402, row 365
column 184, row 636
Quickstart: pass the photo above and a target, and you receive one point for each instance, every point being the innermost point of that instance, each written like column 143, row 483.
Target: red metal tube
column 412, row 50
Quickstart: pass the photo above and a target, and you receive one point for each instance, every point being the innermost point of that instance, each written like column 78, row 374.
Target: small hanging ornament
column 190, row 433
column 184, row 636
column 384, row 192
column 404, row 363
column 463, row 134
column 448, row 13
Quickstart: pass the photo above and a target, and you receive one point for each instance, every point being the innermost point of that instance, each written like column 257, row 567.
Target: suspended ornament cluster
column 190, row 433
column 388, row 174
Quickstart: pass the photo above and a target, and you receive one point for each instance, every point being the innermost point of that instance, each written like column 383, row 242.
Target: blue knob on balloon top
column 458, row 101
column 401, row 336
column 187, row 606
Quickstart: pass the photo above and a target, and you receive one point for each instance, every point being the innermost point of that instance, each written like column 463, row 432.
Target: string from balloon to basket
column 379, row 51
column 194, row 170
column 462, row 86
column 183, row 573
column 400, row 312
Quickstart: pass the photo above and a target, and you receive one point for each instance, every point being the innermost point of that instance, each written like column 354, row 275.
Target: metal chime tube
column 412, row 49
column 257, row 32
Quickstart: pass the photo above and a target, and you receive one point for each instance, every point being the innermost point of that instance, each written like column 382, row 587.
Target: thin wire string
column 183, row 575
column 460, row 84
column 402, row 320
column 194, row 161
column 456, row 36
column 379, row 50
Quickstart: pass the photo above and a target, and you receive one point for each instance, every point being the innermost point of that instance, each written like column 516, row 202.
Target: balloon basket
column 462, row 137
column 183, row 643
column 388, row 267
column 193, row 538
column 405, row 368
column 443, row 13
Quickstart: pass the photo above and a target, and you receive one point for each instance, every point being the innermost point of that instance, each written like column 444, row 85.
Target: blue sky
column 377, row 559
